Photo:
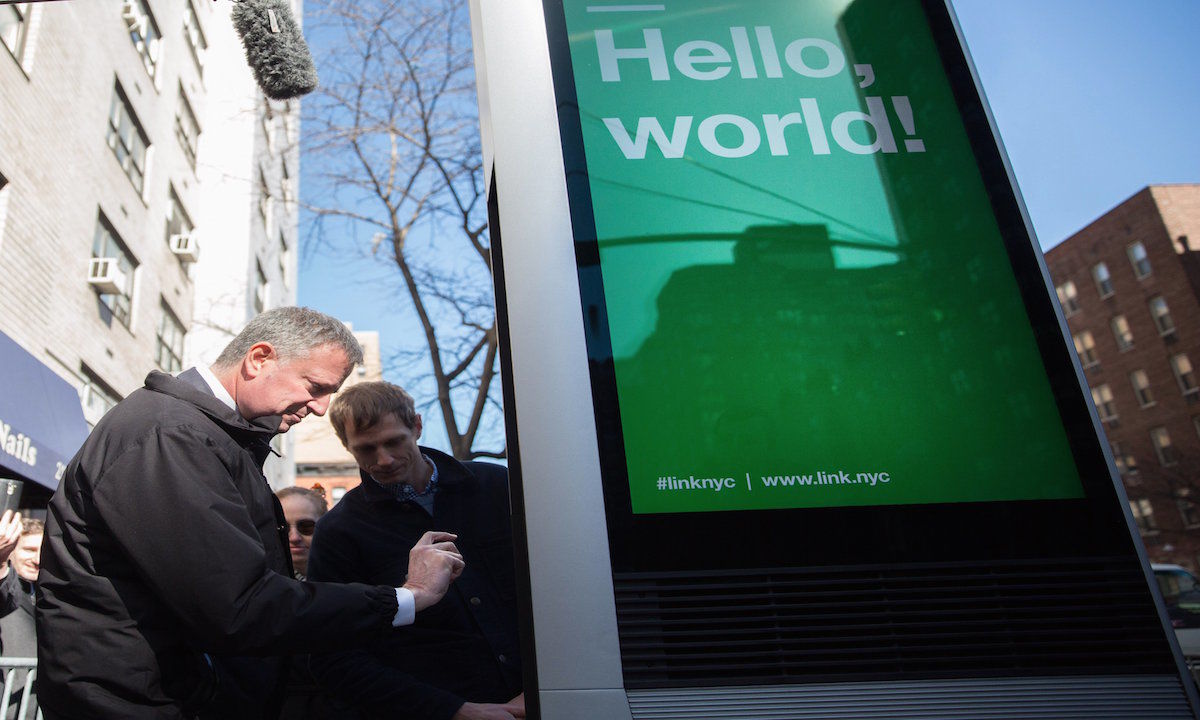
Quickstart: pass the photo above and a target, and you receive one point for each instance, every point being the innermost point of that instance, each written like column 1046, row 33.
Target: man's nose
column 318, row 406
column 383, row 458
column 294, row 534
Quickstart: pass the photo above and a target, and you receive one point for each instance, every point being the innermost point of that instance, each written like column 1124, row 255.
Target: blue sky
column 1093, row 99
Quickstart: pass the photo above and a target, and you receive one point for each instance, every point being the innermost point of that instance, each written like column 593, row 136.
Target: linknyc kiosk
column 794, row 428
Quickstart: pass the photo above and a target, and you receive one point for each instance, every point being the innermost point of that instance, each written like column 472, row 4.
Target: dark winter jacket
column 164, row 565
column 465, row 648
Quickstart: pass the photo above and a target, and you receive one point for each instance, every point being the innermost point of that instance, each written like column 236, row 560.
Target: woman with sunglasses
column 301, row 508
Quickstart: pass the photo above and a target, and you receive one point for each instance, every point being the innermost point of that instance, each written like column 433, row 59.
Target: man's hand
column 433, row 563
column 508, row 711
column 10, row 533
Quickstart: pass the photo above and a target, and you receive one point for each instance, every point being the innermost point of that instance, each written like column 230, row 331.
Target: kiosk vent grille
column 812, row 625
column 1136, row 697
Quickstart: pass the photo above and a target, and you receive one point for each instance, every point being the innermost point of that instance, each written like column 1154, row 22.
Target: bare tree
column 393, row 135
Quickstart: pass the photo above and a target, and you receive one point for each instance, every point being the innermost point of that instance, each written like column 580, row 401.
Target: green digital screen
column 808, row 298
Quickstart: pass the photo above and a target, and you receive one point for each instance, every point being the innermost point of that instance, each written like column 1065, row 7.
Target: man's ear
column 417, row 428
column 258, row 358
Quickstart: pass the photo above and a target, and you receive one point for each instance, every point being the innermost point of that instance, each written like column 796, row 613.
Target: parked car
column 1181, row 592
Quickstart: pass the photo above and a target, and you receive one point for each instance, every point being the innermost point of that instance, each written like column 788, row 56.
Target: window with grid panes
column 187, row 130
column 1184, row 373
column 1126, row 462
column 1103, row 279
column 195, row 36
column 96, row 397
column 1102, row 396
column 14, row 25
column 169, row 340
column 1122, row 332
column 1162, row 315
column 1085, row 345
column 127, row 140
column 1141, row 387
column 260, row 288
column 1188, row 511
column 143, row 33
column 178, row 221
column 1068, row 297
column 1143, row 514
column 1163, row 447
column 1139, row 260
column 106, row 244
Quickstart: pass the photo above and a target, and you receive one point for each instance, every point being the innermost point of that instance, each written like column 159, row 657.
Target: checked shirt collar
column 404, row 492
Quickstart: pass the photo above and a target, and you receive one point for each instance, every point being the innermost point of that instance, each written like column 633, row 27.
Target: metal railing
column 19, row 674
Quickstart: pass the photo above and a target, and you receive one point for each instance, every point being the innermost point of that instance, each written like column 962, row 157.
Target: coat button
column 476, row 601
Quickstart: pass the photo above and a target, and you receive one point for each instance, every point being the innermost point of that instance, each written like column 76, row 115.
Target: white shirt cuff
column 406, row 608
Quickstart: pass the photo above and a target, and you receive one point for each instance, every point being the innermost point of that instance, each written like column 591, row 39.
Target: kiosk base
column 1124, row 697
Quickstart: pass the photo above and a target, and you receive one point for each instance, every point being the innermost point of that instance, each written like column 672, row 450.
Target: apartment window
column 96, row 397
column 1163, row 447
column 1103, row 279
column 1143, row 515
column 1141, row 387
column 1162, row 315
column 187, row 130
column 168, row 352
column 260, row 288
column 1102, row 395
column 289, row 124
column 14, row 24
column 118, row 293
column 285, row 184
column 1126, row 463
column 284, row 258
column 1068, row 297
column 267, row 118
column 1122, row 333
column 1184, row 374
column 178, row 221
column 1085, row 345
column 143, row 33
column 1139, row 260
column 1188, row 510
column 127, row 140
column 195, row 36
column 264, row 199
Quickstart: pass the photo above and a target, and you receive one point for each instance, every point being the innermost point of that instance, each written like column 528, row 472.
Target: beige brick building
column 1129, row 284
column 147, row 191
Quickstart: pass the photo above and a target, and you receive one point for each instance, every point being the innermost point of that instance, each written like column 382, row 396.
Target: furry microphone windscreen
column 278, row 56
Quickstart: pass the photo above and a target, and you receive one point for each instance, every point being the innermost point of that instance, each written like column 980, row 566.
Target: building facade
column 322, row 464
column 147, row 191
column 1129, row 285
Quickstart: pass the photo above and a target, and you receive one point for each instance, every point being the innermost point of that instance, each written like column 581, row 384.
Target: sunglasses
column 304, row 527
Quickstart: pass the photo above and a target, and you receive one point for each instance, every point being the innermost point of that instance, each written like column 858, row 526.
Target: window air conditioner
column 136, row 21
column 185, row 247
column 105, row 275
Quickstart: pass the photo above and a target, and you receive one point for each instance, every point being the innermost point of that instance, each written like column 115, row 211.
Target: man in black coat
column 460, row 660
column 166, row 589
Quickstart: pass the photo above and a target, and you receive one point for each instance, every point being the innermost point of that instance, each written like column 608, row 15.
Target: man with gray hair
column 166, row 582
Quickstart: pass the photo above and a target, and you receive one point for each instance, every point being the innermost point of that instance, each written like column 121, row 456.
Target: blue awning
column 41, row 420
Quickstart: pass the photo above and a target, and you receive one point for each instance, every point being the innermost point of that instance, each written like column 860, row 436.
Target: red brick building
column 1129, row 284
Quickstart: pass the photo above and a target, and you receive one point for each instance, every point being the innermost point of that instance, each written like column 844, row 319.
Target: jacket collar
column 189, row 387
column 452, row 475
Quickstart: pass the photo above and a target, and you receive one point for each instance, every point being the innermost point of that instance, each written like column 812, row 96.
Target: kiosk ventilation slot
column 1083, row 616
